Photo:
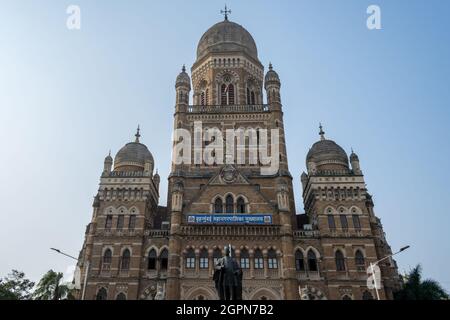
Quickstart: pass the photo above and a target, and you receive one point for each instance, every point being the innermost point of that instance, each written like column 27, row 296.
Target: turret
column 354, row 161
column 156, row 180
column 108, row 163
column 304, row 179
column 183, row 87
column 272, row 85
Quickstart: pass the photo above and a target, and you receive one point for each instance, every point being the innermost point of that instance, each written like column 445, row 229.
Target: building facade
column 136, row 249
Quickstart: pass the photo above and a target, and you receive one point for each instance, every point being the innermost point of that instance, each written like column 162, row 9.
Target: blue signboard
column 229, row 219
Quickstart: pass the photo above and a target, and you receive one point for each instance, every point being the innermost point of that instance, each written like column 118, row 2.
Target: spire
column 225, row 12
column 321, row 132
column 137, row 135
column 183, row 69
column 109, row 154
column 270, row 66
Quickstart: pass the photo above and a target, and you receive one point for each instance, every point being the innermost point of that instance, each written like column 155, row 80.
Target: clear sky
column 67, row 97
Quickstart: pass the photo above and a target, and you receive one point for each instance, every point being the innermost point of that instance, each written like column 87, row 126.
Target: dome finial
column 183, row 69
column 321, row 132
column 225, row 12
column 270, row 66
column 138, row 135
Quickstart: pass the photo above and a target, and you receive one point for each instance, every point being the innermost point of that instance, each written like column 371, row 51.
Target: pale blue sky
column 67, row 97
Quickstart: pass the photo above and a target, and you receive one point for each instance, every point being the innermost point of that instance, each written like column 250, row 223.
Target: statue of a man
column 228, row 277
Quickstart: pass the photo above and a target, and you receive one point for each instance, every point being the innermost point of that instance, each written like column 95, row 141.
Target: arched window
column 312, row 261
column 229, row 204
column 346, row 297
column 190, row 259
column 259, row 261
column 299, row 262
column 164, row 259
column 121, row 296
column 230, row 94
column 340, row 261
column 240, row 205
column 245, row 259
column 359, row 261
column 202, row 98
column 248, row 96
column 344, row 222
column 218, row 206
column 272, row 261
column 204, row 259
column 356, row 222
column 125, row 261
column 217, row 254
column 227, row 94
column 331, row 222
column 102, row 294
column 151, row 260
column 253, row 101
column 106, row 261
column 367, row 295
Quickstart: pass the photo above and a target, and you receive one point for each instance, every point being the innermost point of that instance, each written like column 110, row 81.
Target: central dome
column 226, row 36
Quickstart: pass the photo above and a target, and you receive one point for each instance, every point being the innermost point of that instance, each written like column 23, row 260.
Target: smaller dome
column 108, row 158
column 354, row 156
column 327, row 154
column 272, row 75
column 183, row 79
column 133, row 157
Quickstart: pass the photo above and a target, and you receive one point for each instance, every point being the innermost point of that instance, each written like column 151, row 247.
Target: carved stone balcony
column 238, row 108
column 306, row 234
column 231, row 231
column 157, row 233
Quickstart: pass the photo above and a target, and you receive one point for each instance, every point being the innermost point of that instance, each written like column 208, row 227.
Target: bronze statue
column 228, row 277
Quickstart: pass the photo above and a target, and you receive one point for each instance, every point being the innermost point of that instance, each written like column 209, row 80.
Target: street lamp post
column 85, row 272
column 373, row 264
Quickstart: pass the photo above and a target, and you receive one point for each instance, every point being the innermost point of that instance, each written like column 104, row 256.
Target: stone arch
column 301, row 250
column 147, row 251
column 318, row 255
column 106, row 248
column 134, row 210
column 341, row 249
column 122, row 210
column 125, row 248
column 355, row 210
column 330, row 210
column 121, row 296
column 268, row 293
column 194, row 293
column 342, row 210
column 213, row 202
column 109, row 210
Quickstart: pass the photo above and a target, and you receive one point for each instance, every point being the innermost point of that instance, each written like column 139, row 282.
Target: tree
column 51, row 288
column 15, row 287
column 414, row 288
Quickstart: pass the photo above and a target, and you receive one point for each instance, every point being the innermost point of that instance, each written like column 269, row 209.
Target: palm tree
column 50, row 287
column 414, row 288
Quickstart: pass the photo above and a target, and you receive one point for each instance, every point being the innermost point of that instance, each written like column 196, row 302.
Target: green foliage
column 415, row 288
column 51, row 288
column 15, row 287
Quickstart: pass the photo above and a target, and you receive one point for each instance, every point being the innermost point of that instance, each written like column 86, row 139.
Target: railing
column 308, row 275
column 157, row 233
column 244, row 231
column 306, row 233
column 238, row 108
